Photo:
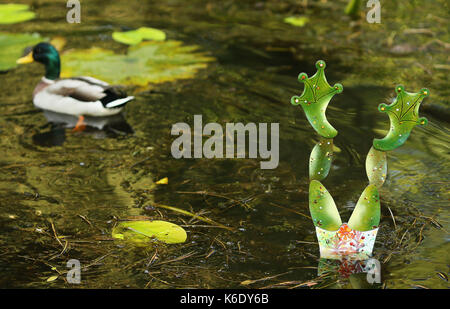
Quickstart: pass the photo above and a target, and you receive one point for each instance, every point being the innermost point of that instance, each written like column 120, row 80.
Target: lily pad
column 15, row 13
column 298, row 21
column 143, row 231
column 135, row 37
column 12, row 46
column 148, row 62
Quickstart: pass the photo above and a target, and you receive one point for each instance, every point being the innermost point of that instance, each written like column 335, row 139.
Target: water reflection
column 99, row 127
column 350, row 273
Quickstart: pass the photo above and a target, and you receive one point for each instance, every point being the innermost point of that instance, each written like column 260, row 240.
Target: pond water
column 55, row 183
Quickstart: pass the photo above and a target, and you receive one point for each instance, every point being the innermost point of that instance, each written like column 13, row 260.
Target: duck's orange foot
column 80, row 126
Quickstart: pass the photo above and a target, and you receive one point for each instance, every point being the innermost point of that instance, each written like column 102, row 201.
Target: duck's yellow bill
column 26, row 59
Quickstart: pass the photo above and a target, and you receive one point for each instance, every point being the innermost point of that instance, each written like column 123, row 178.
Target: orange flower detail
column 345, row 233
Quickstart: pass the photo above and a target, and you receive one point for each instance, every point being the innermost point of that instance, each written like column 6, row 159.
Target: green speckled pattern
column 314, row 100
column 404, row 116
column 322, row 207
column 376, row 167
column 366, row 215
column 320, row 159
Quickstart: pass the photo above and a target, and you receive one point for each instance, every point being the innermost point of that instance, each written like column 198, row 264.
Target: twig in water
column 192, row 215
column 393, row 218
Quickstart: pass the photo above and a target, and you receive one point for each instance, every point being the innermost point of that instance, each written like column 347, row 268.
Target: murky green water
column 79, row 187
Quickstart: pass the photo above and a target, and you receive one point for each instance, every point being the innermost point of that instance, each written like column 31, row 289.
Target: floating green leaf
column 143, row 231
column 134, row 37
column 404, row 116
column 298, row 21
column 322, row 207
column 12, row 46
column 148, row 62
column 320, row 159
column 376, row 167
column 15, row 13
column 366, row 215
column 316, row 95
column 52, row 278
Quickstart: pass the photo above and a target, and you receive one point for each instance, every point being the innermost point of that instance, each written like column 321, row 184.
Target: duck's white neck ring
column 47, row 81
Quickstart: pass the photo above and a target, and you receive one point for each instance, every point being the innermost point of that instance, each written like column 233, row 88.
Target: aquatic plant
column 12, row 46
column 143, row 231
column 297, row 21
column 147, row 62
column 134, row 37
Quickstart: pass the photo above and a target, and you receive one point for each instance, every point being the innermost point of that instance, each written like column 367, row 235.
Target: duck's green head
column 46, row 54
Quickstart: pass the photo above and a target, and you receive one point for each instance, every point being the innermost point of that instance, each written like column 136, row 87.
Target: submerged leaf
column 134, row 37
column 15, row 13
column 52, row 278
column 148, row 62
column 142, row 231
column 163, row 181
column 298, row 21
column 12, row 46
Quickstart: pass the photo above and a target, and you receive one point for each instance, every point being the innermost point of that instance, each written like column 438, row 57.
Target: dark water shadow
column 100, row 127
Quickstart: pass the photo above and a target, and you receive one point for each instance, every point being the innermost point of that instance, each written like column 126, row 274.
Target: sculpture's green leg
column 322, row 207
column 366, row 215
column 376, row 167
column 320, row 159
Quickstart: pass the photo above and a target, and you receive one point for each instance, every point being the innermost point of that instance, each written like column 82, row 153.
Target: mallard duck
column 78, row 96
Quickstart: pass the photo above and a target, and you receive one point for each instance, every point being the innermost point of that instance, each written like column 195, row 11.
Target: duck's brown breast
column 39, row 87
